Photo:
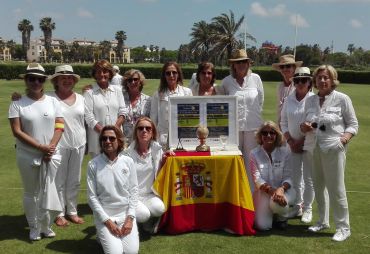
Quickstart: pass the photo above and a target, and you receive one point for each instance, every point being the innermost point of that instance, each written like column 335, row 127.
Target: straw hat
column 34, row 69
column 302, row 72
column 286, row 60
column 64, row 70
column 238, row 55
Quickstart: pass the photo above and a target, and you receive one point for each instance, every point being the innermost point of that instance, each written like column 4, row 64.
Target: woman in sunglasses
column 171, row 84
column 112, row 194
column 37, row 123
column 147, row 155
column 271, row 174
column 205, row 77
column 330, row 123
column 137, row 103
column 292, row 115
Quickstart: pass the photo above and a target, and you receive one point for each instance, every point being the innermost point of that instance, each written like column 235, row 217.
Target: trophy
column 202, row 134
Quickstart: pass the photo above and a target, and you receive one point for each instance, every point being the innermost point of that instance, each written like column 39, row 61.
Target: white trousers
column 118, row 245
column 68, row 178
column 148, row 206
column 247, row 142
column 328, row 172
column 301, row 165
column 265, row 208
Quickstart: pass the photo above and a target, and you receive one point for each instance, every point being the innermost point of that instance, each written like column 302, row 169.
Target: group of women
column 286, row 162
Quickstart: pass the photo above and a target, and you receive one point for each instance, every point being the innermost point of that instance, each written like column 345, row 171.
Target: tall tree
column 226, row 28
column 11, row 45
column 2, row 47
column 105, row 47
column 47, row 26
column 25, row 27
column 351, row 48
column 202, row 39
column 120, row 37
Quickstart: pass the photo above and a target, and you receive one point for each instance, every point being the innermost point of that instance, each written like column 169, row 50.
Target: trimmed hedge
column 12, row 71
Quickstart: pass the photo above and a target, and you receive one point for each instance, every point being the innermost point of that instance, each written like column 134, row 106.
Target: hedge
column 12, row 71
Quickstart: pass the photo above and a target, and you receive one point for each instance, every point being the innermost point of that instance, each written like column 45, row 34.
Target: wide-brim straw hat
column 64, row 70
column 238, row 55
column 286, row 60
column 34, row 69
column 302, row 72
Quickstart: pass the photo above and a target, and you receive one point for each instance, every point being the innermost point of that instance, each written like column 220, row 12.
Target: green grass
column 81, row 238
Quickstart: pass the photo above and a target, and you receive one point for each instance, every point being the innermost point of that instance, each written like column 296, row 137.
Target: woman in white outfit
column 330, row 123
column 147, row 155
column 37, row 123
column 271, row 174
column 104, row 104
column 292, row 115
column 72, row 143
column 205, row 80
column 137, row 103
column 247, row 86
column 112, row 194
column 171, row 84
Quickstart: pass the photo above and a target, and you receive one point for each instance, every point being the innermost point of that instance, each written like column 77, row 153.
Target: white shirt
column 274, row 173
column 117, row 80
column 37, row 119
column 195, row 89
column 103, row 107
column 292, row 115
column 282, row 93
column 336, row 114
column 74, row 135
column 250, row 100
column 111, row 187
column 159, row 107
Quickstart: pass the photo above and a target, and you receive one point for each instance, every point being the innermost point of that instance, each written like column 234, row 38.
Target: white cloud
column 355, row 23
column 277, row 11
column 301, row 22
column 84, row 13
column 258, row 9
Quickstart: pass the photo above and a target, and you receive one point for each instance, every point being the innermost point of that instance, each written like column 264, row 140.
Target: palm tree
column 11, row 45
column 351, row 48
column 201, row 39
column 25, row 27
column 120, row 37
column 2, row 47
column 225, row 28
column 47, row 27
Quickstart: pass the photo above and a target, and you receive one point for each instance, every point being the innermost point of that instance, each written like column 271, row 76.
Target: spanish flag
column 205, row 193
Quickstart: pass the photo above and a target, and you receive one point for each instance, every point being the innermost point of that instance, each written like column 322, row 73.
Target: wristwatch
column 131, row 217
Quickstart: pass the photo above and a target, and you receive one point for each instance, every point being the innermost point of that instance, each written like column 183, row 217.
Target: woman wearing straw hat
column 37, row 123
column 292, row 115
column 247, row 86
column 286, row 66
column 72, row 143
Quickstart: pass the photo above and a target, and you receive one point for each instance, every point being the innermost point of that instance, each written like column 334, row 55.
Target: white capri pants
column 68, row 178
column 247, row 142
column 265, row 208
column 148, row 206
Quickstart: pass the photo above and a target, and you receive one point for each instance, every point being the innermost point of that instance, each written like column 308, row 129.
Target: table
column 205, row 193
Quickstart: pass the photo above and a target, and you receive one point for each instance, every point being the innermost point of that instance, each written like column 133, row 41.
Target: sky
column 168, row 23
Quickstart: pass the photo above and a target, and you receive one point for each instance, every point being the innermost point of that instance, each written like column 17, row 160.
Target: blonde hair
column 128, row 74
column 333, row 74
column 275, row 127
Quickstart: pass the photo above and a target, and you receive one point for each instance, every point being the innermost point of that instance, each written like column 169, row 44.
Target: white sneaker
column 318, row 227
column 35, row 234
column 48, row 233
column 341, row 235
column 307, row 216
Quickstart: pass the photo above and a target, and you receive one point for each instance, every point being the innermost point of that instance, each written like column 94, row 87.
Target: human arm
column 89, row 112
column 154, row 108
column 350, row 121
column 49, row 149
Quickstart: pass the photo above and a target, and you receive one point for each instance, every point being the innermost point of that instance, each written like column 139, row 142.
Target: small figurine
column 202, row 134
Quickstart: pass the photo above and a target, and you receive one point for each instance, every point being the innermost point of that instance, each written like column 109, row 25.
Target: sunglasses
column 129, row 80
column 39, row 79
column 301, row 80
column 266, row 133
column 169, row 73
column 207, row 73
column 321, row 128
column 147, row 128
column 286, row 66
column 242, row 61
column 108, row 138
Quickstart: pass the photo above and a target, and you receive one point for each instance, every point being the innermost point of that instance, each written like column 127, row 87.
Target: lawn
column 81, row 238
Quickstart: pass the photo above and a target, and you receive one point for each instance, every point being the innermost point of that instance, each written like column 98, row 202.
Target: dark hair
column 102, row 64
column 119, row 136
column 163, row 82
column 128, row 74
column 205, row 65
column 154, row 128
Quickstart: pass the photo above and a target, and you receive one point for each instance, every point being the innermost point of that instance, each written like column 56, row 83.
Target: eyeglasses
column 242, row 61
column 33, row 79
column 147, row 128
column 129, row 80
column 169, row 73
column 285, row 66
column 301, row 80
column 108, row 138
column 266, row 133
column 207, row 73
column 321, row 128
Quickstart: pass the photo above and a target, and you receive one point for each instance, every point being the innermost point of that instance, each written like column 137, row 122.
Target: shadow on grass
column 14, row 227
column 84, row 209
column 294, row 231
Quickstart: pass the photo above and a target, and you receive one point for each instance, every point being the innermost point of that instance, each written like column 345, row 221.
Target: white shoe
column 48, row 233
column 318, row 227
column 307, row 216
column 35, row 234
column 341, row 235
column 294, row 211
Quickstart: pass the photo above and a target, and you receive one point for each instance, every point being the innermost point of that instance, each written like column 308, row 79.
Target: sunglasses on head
column 266, row 133
column 321, row 128
column 169, row 73
column 108, row 138
column 301, row 80
column 286, row 66
column 129, row 80
column 34, row 78
column 147, row 128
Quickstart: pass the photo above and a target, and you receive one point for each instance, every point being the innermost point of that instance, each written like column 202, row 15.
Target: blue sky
column 168, row 23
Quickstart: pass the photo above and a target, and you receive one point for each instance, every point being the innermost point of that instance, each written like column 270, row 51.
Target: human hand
column 296, row 145
column 86, row 88
column 279, row 197
column 113, row 228
column 306, row 127
column 16, row 96
column 127, row 226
